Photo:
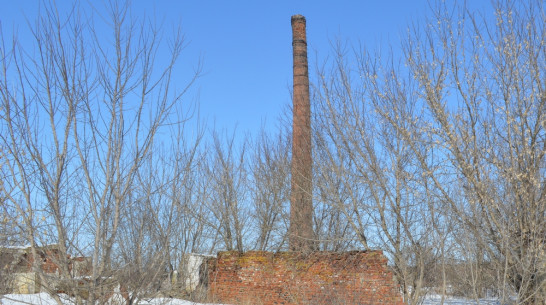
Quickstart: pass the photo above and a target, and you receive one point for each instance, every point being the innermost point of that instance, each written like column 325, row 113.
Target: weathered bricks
column 301, row 235
column 294, row 278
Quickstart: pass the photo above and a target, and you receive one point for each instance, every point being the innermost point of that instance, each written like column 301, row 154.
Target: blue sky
column 245, row 46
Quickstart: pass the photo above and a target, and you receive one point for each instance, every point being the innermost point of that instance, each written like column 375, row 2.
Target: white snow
column 45, row 299
column 160, row 301
column 35, row 299
column 437, row 299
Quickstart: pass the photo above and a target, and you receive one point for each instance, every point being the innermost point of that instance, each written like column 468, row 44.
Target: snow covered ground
column 436, row 299
column 45, row 299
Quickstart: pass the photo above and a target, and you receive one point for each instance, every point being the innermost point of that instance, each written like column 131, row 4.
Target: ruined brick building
column 18, row 267
column 303, row 276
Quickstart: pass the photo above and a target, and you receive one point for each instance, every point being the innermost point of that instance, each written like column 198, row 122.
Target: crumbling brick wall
column 21, row 260
column 17, row 268
column 319, row 278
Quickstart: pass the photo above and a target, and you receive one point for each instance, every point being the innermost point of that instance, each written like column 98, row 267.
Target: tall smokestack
column 301, row 236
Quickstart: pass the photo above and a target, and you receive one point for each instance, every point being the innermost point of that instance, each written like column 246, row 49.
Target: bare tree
column 227, row 191
column 157, row 230
column 367, row 171
column 452, row 139
column 80, row 115
column 482, row 82
column 336, row 199
column 270, row 185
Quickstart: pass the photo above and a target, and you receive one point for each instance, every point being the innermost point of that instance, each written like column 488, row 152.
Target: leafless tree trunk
column 483, row 85
column 270, row 185
column 336, row 200
column 80, row 115
column 157, row 229
column 453, row 140
column 226, row 198
column 368, row 173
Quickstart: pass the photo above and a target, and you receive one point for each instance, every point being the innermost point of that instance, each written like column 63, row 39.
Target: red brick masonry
column 319, row 278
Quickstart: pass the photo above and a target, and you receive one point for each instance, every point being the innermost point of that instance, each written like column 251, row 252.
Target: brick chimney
column 301, row 235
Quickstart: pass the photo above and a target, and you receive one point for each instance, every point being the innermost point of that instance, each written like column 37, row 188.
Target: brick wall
column 17, row 264
column 294, row 278
column 21, row 260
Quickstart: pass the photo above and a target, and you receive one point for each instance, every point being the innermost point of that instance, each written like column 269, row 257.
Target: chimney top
column 298, row 17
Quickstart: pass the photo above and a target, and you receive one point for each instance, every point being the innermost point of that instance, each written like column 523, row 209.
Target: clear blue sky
column 245, row 46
